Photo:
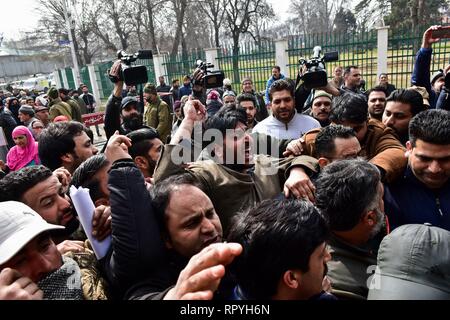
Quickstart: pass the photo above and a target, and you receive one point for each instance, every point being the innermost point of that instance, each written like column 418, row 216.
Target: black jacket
column 8, row 123
column 138, row 251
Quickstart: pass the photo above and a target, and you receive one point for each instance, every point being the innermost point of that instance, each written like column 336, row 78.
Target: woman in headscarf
column 25, row 152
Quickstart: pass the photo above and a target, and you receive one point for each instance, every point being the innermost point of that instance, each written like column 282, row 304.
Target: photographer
column 421, row 72
column 198, row 88
column 121, row 114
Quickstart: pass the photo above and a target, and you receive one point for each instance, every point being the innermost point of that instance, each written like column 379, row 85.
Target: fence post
column 160, row 68
column 65, row 83
column 382, row 54
column 211, row 55
column 76, row 80
column 281, row 55
column 57, row 80
column 94, row 83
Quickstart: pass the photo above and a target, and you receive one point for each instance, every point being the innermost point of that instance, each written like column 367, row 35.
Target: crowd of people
column 331, row 193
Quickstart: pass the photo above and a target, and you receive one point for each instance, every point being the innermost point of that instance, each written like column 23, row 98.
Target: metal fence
column 254, row 61
column 182, row 64
column 402, row 49
column 354, row 49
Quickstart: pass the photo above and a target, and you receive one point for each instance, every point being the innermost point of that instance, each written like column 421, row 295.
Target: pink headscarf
column 19, row 157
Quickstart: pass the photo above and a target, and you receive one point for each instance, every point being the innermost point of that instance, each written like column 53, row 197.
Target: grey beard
column 380, row 223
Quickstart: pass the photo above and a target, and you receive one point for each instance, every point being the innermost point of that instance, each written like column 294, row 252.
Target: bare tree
column 53, row 19
column 316, row 16
column 215, row 11
column 179, row 8
column 240, row 14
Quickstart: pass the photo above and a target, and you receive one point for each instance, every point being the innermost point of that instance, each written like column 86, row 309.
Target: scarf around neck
column 19, row 157
column 64, row 283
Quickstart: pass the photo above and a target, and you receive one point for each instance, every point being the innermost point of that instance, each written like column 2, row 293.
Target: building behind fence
column 375, row 52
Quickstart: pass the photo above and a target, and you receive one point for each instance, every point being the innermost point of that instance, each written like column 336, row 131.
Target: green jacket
column 349, row 269
column 81, row 104
column 157, row 115
column 232, row 191
column 75, row 108
column 59, row 108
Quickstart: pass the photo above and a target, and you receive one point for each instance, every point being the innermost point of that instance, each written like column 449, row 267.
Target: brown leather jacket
column 380, row 146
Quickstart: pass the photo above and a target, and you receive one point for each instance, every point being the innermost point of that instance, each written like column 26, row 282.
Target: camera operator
column 198, row 89
column 122, row 114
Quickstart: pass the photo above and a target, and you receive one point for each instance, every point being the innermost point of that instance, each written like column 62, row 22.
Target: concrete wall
column 21, row 67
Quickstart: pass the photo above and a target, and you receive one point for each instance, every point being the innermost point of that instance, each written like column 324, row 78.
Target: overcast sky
column 19, row 16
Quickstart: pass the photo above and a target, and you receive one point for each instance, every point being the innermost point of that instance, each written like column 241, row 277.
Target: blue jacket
column 269, row 83
column 409, row 201
column 185, row 91
column 421, row 73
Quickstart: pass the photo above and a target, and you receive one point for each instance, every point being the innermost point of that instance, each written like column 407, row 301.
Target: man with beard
column 270, row 233
column 65, row 144
column 156, row 112
column 376, row 100
column 248, row 102
column 75, row 95
column 40, row 189
column 285, row 122
column 30, row 264
column 145, row 150
column 355, row 225
column 260, row 105
column 401, row 106
column 232, row 177
column 122, row 114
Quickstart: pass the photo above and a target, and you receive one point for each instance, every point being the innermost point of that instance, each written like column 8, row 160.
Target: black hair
column 376, row 89
column 64, row 91
column 276, row 236
column 348, row 69
column 345, row 191
column 162, row 193
column 16, row 183
column 245, row 97
column 276, row 67
column 57, row 140
column 430, row 126
column 324, row 143
column 227, row 118
column 141, row 141
column 280, row 85
column 84, row 175
column 408, row 96
column 349, row 107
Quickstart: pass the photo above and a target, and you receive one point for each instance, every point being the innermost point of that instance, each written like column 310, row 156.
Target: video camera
column 316, row 74
column 211, row 79
column 132, row 75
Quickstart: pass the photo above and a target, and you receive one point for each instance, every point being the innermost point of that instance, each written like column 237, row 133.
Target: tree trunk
column 179, row 11
column 236, row 59
column 151, row 26
column 216, row 34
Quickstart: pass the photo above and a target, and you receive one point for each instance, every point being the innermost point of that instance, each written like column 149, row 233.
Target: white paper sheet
column 85, row 209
